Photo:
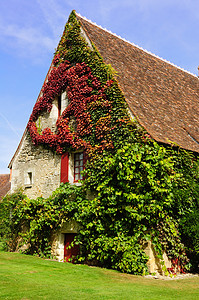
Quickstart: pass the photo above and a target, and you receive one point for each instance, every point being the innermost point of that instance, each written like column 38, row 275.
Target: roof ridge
column 152, row 54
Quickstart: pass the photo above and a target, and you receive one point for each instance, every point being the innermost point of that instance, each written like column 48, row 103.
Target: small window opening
column 62, row 102
column 29, row 178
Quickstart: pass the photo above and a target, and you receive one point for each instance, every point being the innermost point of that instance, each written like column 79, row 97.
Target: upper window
column 62, row 102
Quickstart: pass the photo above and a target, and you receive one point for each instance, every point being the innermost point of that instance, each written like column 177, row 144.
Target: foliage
column 186, row 206
column 141, row 190
column 95, row 101
column 138, row 190
column 8, row 230
column 133, row 200
column 34, row 221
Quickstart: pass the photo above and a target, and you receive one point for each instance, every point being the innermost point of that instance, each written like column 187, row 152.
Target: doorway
column 73, row 251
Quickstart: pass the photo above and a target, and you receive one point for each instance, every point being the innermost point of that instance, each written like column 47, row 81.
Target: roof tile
column 163, row 97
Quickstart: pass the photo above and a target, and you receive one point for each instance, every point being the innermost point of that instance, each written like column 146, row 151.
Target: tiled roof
column 4, row 184
column 163, row 97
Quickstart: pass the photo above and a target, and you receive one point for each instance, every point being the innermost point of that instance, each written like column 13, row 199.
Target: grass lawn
column 27, row 277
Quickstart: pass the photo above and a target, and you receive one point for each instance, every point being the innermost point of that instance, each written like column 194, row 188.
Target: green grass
column 27, row 277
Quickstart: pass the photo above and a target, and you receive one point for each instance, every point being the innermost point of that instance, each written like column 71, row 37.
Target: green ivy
column 133, row 202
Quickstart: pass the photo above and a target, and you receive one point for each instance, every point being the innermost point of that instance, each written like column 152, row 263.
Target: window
column 72, row 166
column 62, row 102
column 78, row 166
column 28, row 179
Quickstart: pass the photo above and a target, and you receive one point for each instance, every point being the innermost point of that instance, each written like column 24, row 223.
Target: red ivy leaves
column 85, row 94
column 57, row 82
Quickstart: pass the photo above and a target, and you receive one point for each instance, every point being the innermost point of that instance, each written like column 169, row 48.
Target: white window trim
column 71, row 177
column 28, row 178
column 64, row 101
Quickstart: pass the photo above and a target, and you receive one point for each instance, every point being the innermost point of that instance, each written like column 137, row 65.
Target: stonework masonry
column 35, row 169
column 48, row 120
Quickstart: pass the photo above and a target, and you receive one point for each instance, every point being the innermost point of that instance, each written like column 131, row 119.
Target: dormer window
column 62, row 102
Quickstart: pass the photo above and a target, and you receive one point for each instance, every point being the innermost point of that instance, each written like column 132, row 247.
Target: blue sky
column 30, row 31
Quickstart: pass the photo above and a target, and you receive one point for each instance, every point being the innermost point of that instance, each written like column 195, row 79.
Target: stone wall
column 35, row 169
column 154, row 263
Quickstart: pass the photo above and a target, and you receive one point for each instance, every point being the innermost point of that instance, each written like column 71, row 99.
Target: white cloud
column 33, row 34
column 26, row 41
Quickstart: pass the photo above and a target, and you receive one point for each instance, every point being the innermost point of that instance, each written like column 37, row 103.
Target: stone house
column 161, row 96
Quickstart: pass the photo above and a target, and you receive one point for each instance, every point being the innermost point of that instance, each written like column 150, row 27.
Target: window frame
column 28, row 179
column 63, row 102
column 70, row 169
column 79, row 166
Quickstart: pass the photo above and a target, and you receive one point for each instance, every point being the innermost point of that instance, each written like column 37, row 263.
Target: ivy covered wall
column 143, row 190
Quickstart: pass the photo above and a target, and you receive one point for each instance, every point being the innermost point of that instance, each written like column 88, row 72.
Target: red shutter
column 64, row 167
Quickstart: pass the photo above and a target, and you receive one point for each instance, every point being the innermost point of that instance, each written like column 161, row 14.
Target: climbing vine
column 141, row 190
column 87, row 99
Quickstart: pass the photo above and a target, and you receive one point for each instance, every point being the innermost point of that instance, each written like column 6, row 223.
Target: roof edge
column 123, row 39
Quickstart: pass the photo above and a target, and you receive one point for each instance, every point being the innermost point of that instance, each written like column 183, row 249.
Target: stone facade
column 35, row 169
